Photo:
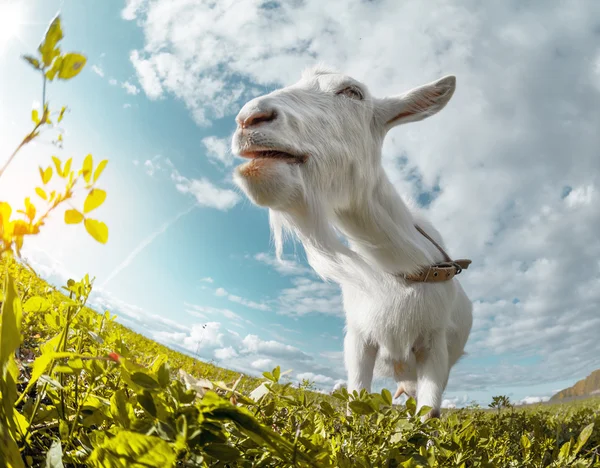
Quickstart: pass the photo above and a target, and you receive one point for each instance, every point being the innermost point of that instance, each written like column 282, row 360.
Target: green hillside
column 584, row 387
column 78, row 401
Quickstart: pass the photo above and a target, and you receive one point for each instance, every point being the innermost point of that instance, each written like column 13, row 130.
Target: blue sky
column 508, row 173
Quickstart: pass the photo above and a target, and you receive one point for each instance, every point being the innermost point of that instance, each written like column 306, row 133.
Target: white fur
column 355, row 228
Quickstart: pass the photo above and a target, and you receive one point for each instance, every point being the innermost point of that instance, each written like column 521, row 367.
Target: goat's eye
column 351, row 92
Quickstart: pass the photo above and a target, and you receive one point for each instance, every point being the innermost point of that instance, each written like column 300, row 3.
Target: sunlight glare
column 11, row 19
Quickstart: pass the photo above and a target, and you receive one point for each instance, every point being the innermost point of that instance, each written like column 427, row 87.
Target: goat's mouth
column 290, row 158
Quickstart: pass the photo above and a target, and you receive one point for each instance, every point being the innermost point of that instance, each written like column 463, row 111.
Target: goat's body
column 398, row 321
column 398, row 326
column 315, row 161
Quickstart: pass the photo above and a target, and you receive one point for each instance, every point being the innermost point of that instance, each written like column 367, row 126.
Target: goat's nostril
column 259, row 117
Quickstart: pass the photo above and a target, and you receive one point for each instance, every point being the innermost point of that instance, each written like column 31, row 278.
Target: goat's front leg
column 432, row 374
column 359, row 357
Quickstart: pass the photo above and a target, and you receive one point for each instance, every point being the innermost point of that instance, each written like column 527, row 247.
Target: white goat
column 314, row 151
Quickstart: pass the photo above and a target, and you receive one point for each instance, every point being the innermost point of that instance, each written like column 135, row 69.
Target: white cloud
column 316, row 378
column 113, row 82
column 248, row 303
column 581, row 196
column 263, row 364
column 521, row 126
column 199, row 336
column 333, row 356
column 533, row 399
column 285, row 267
column 205, row 192
column 218, row 150
column 131, row 9
column 164, row 72
column 208, row 279
column 204, row 311
column 152, row 166
column 240, row 300
column 275, row 349
column 455, row 402
column 97, row 70
column 126, row 105
column 250, row 355
column 102, row 301
column 310, row 296
column 130, row 88
column 224, row 354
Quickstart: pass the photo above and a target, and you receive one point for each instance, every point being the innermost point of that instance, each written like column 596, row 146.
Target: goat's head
column 323, row 136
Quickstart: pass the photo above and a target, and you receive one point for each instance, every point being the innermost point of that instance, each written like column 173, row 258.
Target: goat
column 314, row 152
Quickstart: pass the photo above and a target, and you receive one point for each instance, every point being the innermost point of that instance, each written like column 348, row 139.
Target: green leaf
column 97, row 229
column 41, row 193
column 221, row 410
column 63, row 429
column 48, row 47
column 46, row 174
column 63, row 370
column 100, row 169
column 163, row 375
column 423, row 411
column 10, row 322
column 57, row 164
column 411, row 406
column 62, row 113
column 327, row 409
column 35, row 63
column 94, row 199
column 583, row 437
column 36, row 304
column 276, row 373
column 144, row 380
column 72, row 64
column 44, row 378
column 41, row 365
column 97, row 338
column 86, row 169
column 132, row 450
column 11, row 457
column 525, row 442
column 361, row 407
column 73, row 217
column 56, row 66
column 565, row 450
column 222, row 452
column 387, row 396
column 121, row 409
column 67, row 168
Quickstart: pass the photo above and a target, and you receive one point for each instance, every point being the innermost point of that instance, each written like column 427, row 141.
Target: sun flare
column 11, row 19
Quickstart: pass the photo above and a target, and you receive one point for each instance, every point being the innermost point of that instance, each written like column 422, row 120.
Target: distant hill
column 588, row 386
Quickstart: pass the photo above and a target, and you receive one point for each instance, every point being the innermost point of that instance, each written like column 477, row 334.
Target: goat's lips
column 273, row 154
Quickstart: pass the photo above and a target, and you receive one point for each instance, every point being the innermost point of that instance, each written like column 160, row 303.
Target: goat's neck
column 381, row 229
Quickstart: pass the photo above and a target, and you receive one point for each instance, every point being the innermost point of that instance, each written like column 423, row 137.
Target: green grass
column 89, row 407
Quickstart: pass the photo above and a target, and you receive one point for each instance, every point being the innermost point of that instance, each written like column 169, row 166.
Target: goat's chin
column 269, row 183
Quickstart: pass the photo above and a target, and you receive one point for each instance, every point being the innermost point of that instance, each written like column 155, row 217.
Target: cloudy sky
column 509, row 172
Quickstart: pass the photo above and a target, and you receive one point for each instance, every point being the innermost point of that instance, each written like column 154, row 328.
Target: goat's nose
column 256, row 117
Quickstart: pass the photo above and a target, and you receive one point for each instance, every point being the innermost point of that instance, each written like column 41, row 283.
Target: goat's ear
column 416, row 104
